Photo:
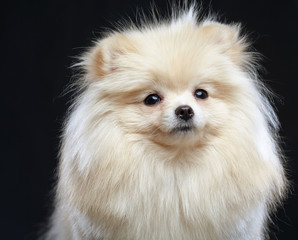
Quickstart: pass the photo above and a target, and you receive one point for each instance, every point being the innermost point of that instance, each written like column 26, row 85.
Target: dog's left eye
column 152, row 99
column 201, row 94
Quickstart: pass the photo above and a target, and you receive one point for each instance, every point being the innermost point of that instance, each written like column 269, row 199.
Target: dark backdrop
column 40, row 38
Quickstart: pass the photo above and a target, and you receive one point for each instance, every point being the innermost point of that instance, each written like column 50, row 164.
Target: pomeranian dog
column 172, row 137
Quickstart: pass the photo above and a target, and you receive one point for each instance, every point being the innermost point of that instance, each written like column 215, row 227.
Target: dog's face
column 172, row 88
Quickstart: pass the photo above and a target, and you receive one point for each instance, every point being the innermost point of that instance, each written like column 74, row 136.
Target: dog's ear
column 105, row 56
column 227, row 39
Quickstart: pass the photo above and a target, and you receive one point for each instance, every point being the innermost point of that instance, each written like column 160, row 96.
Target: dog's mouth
column 182, row 129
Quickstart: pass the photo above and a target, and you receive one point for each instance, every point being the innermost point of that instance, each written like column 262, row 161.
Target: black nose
column 184, row 112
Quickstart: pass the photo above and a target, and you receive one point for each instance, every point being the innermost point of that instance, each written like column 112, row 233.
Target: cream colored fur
column 125, row 175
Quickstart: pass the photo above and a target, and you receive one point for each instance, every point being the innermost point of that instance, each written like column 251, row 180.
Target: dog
column 172, row 136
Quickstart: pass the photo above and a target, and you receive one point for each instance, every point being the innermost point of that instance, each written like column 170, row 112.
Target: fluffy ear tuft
column 227, row 39
column 104, row 56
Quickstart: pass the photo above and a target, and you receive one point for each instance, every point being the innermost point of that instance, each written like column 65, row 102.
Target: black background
column 39, row 39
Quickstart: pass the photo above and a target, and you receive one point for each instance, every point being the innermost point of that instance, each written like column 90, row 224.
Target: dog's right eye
column 152, row 99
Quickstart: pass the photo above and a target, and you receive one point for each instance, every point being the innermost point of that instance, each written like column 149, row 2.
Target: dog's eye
column 201, row 94
column 152, row 99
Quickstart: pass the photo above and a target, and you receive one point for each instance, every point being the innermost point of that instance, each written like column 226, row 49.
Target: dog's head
column 174, row 84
